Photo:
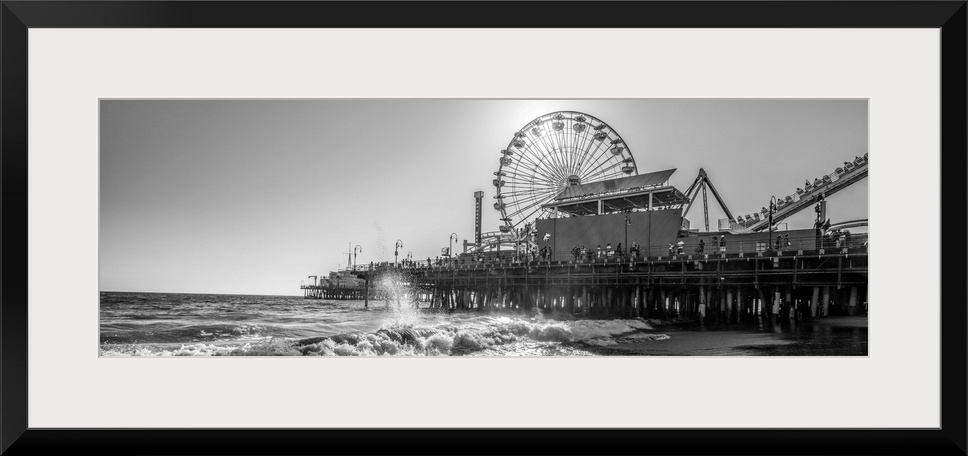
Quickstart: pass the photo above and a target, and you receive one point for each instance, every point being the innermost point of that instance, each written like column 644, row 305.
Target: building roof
column 620, row 184
column 662, row 197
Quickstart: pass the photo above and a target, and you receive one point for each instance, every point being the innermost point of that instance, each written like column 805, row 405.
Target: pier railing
column 786, row 268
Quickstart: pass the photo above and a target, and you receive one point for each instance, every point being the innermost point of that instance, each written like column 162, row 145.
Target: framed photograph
column 591, row 245
column 483, row 227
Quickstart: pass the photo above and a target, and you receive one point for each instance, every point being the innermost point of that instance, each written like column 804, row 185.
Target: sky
column 254, row 196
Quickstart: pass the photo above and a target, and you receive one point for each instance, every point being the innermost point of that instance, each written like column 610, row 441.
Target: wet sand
column 829, row 336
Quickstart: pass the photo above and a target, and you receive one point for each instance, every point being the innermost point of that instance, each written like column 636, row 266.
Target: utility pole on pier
column 769, row 238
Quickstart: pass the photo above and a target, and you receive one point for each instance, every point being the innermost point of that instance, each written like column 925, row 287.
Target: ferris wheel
column 550, row 153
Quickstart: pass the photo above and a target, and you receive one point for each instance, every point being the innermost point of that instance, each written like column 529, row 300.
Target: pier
column 334, row 293
column 554, row 250
column 346, row 284
column 731, row 286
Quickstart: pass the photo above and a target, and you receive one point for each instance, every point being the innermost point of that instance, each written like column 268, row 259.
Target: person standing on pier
column 722, row 244
column 702, row 246
column 608, row 250
column 776, row 310
column 715, row 244
column 599, row 254
column 672, row 250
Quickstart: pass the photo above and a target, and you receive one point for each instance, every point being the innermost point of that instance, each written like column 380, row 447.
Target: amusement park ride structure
column 702, row 181
column 548, row 154
column 570, row 177
column 571, row 164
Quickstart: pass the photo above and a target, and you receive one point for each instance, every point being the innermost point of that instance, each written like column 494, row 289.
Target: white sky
column 252, row 196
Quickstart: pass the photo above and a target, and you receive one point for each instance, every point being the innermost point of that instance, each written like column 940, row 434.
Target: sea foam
column 476, row 336
column 497, row 335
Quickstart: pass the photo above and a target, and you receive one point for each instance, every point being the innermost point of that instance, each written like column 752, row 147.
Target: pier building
column 343, row 284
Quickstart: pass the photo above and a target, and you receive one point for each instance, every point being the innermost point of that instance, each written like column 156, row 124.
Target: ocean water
column 168, row 324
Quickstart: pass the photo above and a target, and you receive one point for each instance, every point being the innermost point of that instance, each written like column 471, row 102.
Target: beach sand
column 844, row 336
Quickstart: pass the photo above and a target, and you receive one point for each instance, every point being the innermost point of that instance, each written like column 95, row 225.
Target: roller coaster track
column 805, row 198
column 497, row 240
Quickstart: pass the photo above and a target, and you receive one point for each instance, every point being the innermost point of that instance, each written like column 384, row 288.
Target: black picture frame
column 17, row 17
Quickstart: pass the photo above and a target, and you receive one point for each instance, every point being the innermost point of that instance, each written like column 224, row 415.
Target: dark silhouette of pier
column 732, row 286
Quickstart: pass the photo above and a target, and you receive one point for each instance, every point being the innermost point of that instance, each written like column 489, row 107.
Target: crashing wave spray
column 401, row 300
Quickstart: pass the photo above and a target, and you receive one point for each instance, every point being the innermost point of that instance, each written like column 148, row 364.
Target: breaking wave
column 501, row 336
column 467, row 338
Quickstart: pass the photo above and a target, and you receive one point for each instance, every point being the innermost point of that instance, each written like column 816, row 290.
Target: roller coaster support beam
column 702, row 181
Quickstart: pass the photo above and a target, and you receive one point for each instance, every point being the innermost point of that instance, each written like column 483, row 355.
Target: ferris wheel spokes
column 551, row 153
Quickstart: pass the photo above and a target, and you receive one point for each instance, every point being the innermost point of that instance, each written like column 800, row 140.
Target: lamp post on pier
column 356, row 249
column 396, row 252
column 450, row 249
column 626, row 245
